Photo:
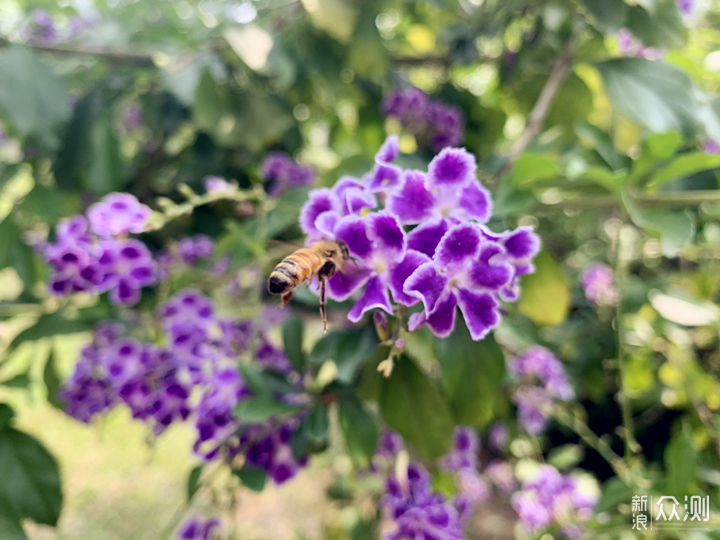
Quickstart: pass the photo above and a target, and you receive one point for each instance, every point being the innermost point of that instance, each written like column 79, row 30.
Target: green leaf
column 293, row 331
column 105, row 172
column 30, row 478
column 348, row 349
column 360, row 429
column 10, row 527
column 532, row 167
column 685, row 165
column 662, row 145
column 211, row 103
column 614, row 492
column 252, row 477
column 193, row 482
column 545, row 296
column 9, row 233
column 317, row 425
column 31, row 96
column 52, row 381
column 661, row 27
column 6, row 415
column 602, row 143
column 656, row 95
column 676, row 228
column 413, row 407
column 18, row 381
column 681, row 460
column 608, row 15
column 566, row 457
column 259, row 409
column 472, row 372
column 49, row 324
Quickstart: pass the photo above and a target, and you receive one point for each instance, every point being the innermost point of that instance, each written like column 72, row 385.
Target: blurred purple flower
column 198, row 528
column 282, row 173
column 551, row 498
column 41, row 28
column 118, row 213
column 711, row 147
column 686, row 6
column 432, row 122
column 132, row 117
column 216, row 184
column 598, row 281
column 498, row 437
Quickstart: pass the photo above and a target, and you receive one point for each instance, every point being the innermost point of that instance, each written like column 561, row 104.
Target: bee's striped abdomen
column 294, row 270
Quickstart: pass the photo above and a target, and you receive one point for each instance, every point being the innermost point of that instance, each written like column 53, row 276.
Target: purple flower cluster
column 282, row 173
column 190, row 251
column 550, row 499
column 198, row 528
column 686, row 6
column 448, row 259
column 538, row 365
column 629, row 45
column 115, row 369
column 432, row 122
column 41, row 28
column 193, row 374
column 598, row 281
column 93, row 253
column 412, row 510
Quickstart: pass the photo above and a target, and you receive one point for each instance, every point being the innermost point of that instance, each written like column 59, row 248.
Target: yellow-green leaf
column 545, row 296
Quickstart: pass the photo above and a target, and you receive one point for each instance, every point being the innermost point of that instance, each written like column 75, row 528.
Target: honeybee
column 321, row 259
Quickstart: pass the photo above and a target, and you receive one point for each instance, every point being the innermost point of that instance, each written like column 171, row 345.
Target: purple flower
column 382, row 263
column 711, row 147
column 42, row 28
column 197, row 528
column 538, row 363
column 412, row 510
column 282, row 173
column 196, row 248
column 432, row 122
column 464, row 455
column 629, row 45
column 534, row 404
column 549, row 498
column 132, row 117
column 216, row 184
column 686, row 6
column 449, row 191
column 118, row 213
column 272, row 450
column 599, row 284
column 463, row 274
column 498, row 437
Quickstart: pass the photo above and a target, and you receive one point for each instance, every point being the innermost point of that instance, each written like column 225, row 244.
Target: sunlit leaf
column 545, row 295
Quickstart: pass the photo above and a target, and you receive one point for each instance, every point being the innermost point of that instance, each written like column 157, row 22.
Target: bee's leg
column 323, row 313
column 286, row 298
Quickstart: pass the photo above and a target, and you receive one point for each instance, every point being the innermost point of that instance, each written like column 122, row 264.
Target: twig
column 536, row 118
column 631, row 445
column 143, row 59
column 386, row 366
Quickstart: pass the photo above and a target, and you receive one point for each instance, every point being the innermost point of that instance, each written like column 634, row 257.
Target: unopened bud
column 399, row 345
column 382, row 326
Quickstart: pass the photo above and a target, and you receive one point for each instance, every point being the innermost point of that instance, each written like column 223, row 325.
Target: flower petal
column 376, row 296
column 343, row 284
column 384, row 177
column 441, row 321
column 412, row 202
column 427, row 284
column 475, row 200
column 399, row 272
column 522, row 243
column 387, row 233
column 487, row 275
column 480, row 311
column 325, row 223
column 389, row 150
column 460, row 244
column 452, row 167
column 353, row 231
column 356, row 199
column 319, row 201
column 425, row 238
